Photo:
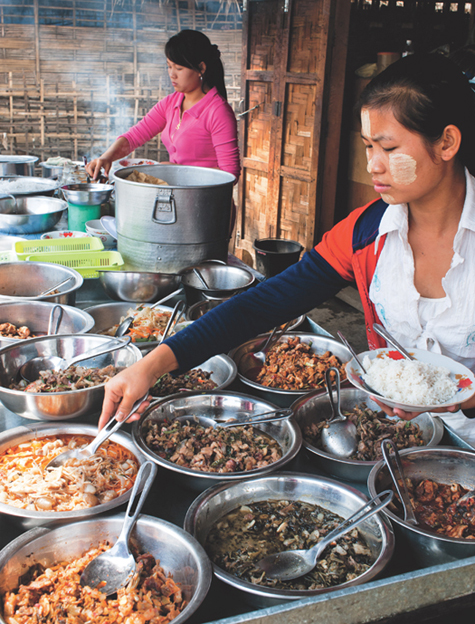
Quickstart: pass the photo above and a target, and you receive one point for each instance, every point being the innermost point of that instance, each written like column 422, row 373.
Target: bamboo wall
column 73, row 77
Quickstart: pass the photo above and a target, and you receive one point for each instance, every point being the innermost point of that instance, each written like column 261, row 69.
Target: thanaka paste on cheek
column 368, row 166
column 387, row 198
column 365, row 124
column 402, row 168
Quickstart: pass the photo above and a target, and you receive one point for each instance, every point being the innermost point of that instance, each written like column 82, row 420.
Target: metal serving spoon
column 30, row 371
column 104, row 434
column 291, row 564
column 360, row 364
column 379, row 329
column 55, row 287
column 394, row 464
column 238, row 420
column 53, row 325
column 339, row 436
column 258, row 358
column 116, row 567
column 127, row 322
column 201, row 278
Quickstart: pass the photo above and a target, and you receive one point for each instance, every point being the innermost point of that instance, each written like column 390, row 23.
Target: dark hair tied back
column 426, row 93
column 190, row 48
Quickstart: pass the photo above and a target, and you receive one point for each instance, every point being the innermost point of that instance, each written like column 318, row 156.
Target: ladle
column 53, row 325
column 104, row 434
column 114, row 568
column 338, row 437
column 237, row 421
column 394, row 464
column 201, row 278
column 291, row 564
column 127, row 322
column 379, row 329
column 55, row 287
column 30, row 371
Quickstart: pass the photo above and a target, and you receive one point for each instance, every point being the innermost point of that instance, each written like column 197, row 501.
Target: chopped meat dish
column 195, row 379
column 436, row 509
column 292, row 365
column 371, row 429
column 8, row 330
column 71, row 378
column 148, row 324
column 191, row 445
column 78, row 484
column 241, row 538
column 54, row 595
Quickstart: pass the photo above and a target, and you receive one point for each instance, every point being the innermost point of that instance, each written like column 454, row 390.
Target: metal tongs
column 394, row 464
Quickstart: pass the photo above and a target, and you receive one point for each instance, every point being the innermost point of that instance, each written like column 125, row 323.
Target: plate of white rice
column 429, row 382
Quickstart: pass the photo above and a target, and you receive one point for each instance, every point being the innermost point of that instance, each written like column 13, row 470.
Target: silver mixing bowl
column 283, row 398
column 87, row 194
column 177, row 551
column 444, row 465
column 58, row 405
column 28, row 215
column 314, row 407
column 138, row 287
column 341, row 499
column 14, row 164
column 35, row 315
column 27, row 518
column 223, row 281
column 217, row 404
column 20, row 281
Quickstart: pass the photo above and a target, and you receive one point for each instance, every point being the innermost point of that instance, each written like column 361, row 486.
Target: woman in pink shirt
column 197, row 125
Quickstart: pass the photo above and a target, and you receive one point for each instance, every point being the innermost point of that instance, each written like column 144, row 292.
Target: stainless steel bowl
column 57, row 405
column 138, row 286
column 35, row 315
column 30, row 186
column 314, row 407
column 283, row 398
column 217, row 404
column 27, row 518
column 25, row 280
column 87, row 194
column 17, row 165
column 178, row 552
column 27, row 215
column 106, row 315
column 341, row 499
column 444, row 465
column 223, row 280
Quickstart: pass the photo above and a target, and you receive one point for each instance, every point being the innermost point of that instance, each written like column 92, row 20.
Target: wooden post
column 75, row 113
column 42, row 118
column 37, row 43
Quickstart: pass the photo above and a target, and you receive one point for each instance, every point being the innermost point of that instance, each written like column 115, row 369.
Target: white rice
column 409, row 381
column 17, row 185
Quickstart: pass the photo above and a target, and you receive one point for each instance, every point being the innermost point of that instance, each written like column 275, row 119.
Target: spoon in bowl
column 338, row 437
column 53, row 324
column 30, row 371
column 55, row 287
column 360, row 364
column 127, row 322
column 238, row 420
column 291, row 564
column 394, row 464
column 114, row 568
column 379, row 329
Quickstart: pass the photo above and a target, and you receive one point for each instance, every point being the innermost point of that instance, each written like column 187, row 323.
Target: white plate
column 459, row 373
column 63, row 234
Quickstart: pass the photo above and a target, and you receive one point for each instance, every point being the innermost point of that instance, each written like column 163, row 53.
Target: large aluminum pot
column 22, row 186
column 315, row 407
column 217, row 404
column 28, row 215
column 17, row 165
column 36, row 314
column 25, row 280
column 166, row 228
column 58, row 405
column 341, row 499
column 29, row 518
column 178, row 552
column 444, row 465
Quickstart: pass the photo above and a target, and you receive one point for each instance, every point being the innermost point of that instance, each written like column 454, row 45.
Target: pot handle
column 164, row 209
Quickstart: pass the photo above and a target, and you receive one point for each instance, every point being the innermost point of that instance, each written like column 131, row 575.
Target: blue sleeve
column 293, row 292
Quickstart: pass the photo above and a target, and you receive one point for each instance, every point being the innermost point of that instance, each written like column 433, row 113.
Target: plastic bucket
column 274, row 255
column 78, row 215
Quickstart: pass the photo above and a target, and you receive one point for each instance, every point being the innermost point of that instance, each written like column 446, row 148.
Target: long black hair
column 190, row 48
column 426, row 93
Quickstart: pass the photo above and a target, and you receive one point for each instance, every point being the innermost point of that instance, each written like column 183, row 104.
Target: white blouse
column 445, row 325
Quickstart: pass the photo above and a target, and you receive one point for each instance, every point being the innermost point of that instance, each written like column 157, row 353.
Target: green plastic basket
column 25, row 248
column 87, row 263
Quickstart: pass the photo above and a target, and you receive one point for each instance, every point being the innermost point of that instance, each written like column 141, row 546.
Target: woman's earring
column 201, row 76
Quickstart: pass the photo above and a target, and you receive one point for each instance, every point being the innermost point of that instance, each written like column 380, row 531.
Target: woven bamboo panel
column 299, row 126
column 296, row 216
column 306, row 38
column 262, row 36
column 259, row 121
column 255, row 223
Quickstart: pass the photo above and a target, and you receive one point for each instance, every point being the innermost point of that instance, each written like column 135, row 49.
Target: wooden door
column 294, row 54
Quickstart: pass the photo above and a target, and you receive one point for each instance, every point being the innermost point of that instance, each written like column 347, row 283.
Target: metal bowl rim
column 213, row 476
column 416, row 529
column 34, row 199
column 387, row 538
column 77, row 276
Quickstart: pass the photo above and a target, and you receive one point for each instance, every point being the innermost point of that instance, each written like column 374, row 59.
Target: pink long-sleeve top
column 206, row 136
